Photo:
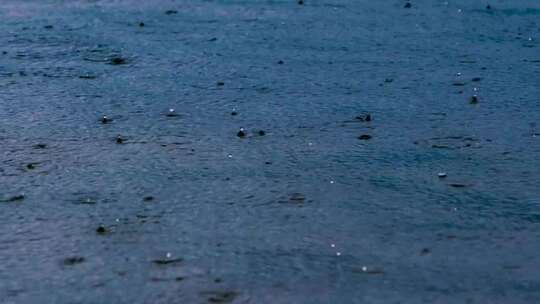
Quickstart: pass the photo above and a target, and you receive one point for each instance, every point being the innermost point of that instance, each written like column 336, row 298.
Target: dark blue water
column 188, row 212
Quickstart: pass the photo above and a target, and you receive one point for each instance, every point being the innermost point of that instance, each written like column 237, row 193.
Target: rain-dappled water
column 398, row 160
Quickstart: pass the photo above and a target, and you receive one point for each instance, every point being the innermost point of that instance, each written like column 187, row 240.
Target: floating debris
column 171, row 12
column 456, row 185
column 220, row 83
column 141, row 24
column 262, row 133
column 148, row 198
column 31, row 166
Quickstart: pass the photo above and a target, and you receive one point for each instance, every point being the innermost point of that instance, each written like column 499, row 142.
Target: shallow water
column 307, row 213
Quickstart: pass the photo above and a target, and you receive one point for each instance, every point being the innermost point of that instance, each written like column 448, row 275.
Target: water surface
column 307, row 213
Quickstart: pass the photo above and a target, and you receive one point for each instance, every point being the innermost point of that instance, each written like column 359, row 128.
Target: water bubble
column 101, row 230
column 171, row 112
column 105, row 119
column 241, row 133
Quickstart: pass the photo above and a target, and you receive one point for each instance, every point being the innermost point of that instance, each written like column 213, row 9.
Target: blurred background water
column 307, row 212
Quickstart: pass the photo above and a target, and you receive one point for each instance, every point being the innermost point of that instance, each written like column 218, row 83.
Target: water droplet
column 241, row 133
